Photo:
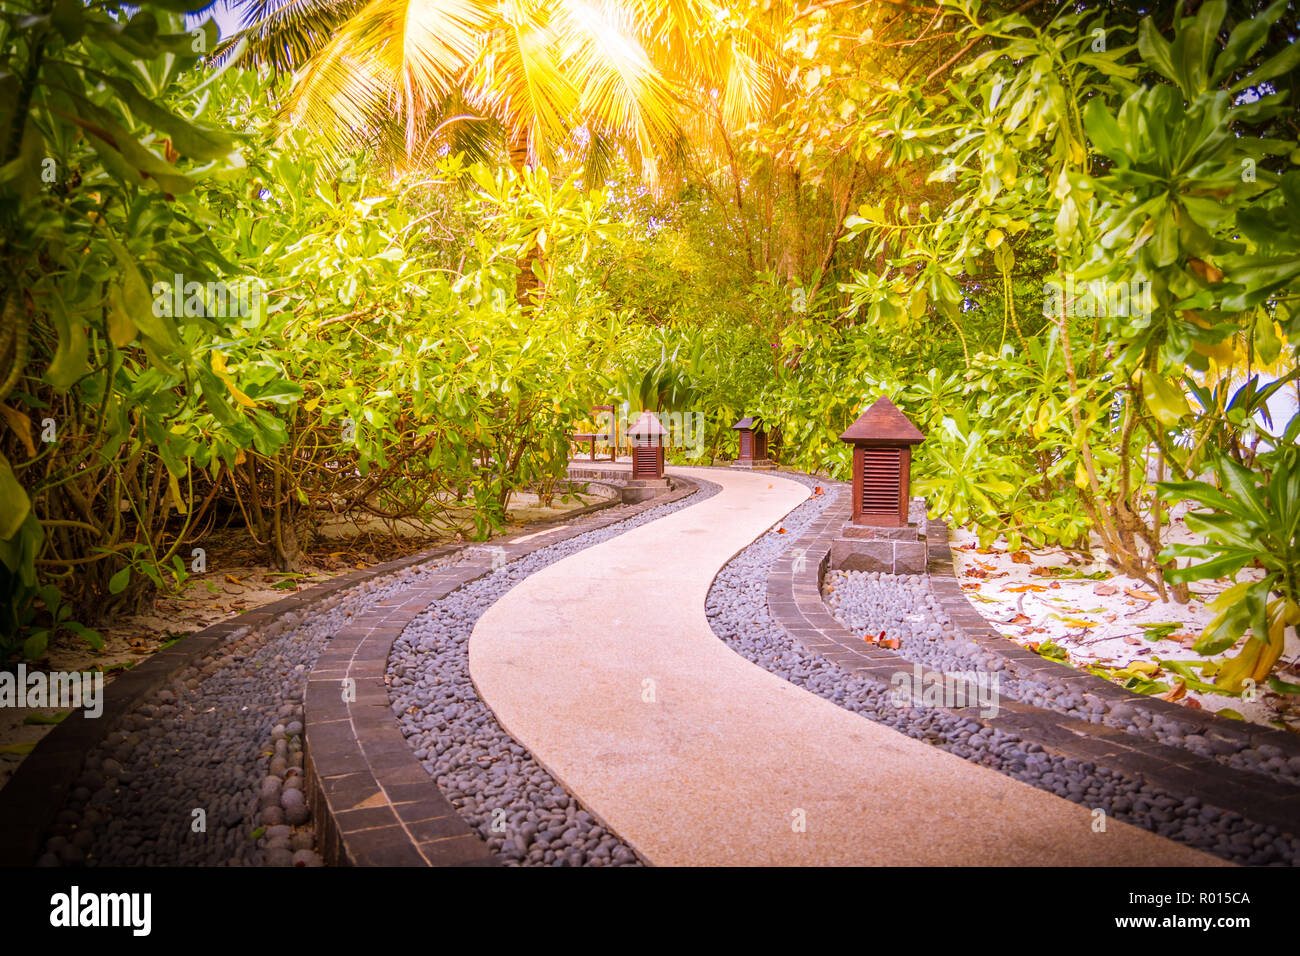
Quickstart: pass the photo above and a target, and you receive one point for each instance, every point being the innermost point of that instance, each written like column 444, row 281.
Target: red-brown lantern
column 882, row 442
column 753, row 440
column 647, row 434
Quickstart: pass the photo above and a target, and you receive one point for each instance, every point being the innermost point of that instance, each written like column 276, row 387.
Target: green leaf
column 1194, row 45
column 118, row 582
column 14, row 503
column 69, row 18
column 71, row 355
column 188, row 139
column 1155, row 50
column 1283, row 687
column 1244, row 42
column 1281, row 64
column 139, row 303
column 35, row 645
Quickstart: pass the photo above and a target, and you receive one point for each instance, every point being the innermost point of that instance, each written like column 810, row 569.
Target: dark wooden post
column 882, row 440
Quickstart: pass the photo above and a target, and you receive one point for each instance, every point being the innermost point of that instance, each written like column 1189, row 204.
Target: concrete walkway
column 605, row 667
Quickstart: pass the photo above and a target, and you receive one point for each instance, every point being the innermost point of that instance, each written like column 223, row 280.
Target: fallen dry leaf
column 1105, row 590
column 1178, row 693
column 1026, row 587
column 1020, row 557
column 1021, row 619
column 1140, row 595
column 892, row 643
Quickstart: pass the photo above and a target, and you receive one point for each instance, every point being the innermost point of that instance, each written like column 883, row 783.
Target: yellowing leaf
column 1143, row 667
column 21, row 426
column 1164, row 399
column 994, row 238
column 219, row 366
column 175, row 488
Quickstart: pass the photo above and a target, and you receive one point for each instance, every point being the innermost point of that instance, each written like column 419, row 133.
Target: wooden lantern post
column 647, row 434
column 882, row 441
column 753, row 441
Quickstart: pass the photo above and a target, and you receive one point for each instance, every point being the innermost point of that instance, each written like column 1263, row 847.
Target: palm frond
column 284, row 34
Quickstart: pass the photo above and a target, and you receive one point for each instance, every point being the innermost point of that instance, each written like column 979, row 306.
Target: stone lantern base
column 755, row 464
column 889, row 550
column 642, row 489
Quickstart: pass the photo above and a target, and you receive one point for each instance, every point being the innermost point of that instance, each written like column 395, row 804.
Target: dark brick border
column 373, row 804
column 795, row 602
column 40, row 786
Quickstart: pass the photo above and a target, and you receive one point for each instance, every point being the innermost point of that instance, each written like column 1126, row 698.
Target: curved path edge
column 373, row 804
column 795, row 602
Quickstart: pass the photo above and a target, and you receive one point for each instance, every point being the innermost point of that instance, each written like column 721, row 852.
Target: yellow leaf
column 21, row 426
column 1080, row 476
column 994, row 238
column 175, row 488
column 1164, row 399
column 219, row 366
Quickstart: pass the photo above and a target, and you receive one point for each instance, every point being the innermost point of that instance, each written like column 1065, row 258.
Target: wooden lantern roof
column 749, row 422
column 647, row 426
column 882, row 424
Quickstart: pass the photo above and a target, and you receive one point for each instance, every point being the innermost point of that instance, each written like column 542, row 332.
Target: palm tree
column 535, row 75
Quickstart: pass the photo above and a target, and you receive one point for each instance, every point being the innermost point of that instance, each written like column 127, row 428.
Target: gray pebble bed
column 526, row 816
column 904, row 607
column 224, row 737
column 737, row 609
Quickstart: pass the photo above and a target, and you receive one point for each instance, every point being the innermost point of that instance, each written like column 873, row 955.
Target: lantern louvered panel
column 881, row 475
column 645, row 461
column 746, row 445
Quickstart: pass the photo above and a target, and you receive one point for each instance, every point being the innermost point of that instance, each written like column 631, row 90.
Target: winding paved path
column 725, row 759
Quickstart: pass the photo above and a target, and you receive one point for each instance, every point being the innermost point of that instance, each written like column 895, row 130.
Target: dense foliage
column 1064, row 242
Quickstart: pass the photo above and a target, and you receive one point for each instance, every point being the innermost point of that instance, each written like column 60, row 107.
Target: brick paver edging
column 373, row 804
column 42, row 783
column 795, row 602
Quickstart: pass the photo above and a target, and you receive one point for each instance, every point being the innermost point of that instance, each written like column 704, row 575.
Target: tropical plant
column 1252, row 522
column 614, row 74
